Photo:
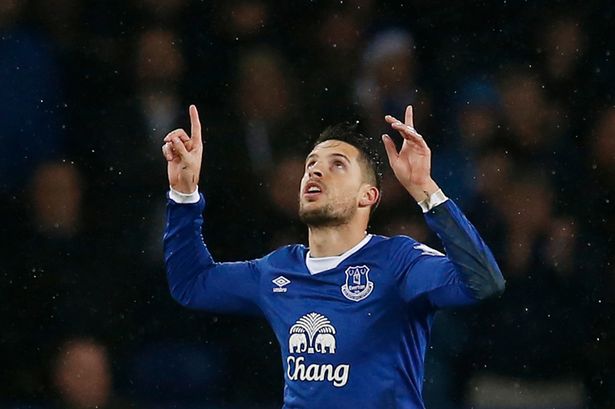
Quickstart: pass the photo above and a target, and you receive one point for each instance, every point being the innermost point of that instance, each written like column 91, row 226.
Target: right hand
column 184, row 155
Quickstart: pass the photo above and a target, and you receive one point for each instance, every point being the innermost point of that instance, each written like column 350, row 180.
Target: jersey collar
column 317, row 265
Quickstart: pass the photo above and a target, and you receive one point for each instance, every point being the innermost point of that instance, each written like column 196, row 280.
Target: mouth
column 312, row 190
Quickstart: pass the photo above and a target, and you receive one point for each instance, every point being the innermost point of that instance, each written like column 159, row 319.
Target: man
column 352, row 312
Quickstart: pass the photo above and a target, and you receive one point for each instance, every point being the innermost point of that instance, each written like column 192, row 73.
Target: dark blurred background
column 515, row 99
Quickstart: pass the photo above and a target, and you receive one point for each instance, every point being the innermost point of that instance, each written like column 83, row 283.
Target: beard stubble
column 328, row 215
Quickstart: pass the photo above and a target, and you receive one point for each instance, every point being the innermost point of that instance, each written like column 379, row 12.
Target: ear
column 369, row 196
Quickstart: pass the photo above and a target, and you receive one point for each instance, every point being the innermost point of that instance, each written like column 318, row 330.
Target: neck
column 327, row 241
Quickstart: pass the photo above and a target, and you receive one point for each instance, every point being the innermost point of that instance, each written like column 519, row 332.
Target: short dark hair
column 368, row 147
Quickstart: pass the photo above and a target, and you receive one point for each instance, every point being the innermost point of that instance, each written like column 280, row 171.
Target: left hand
column 412, row 164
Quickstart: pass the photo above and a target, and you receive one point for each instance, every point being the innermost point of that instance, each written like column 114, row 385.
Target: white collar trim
column 317, row 265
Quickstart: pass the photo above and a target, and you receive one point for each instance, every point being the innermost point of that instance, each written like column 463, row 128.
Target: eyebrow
column 341, row 155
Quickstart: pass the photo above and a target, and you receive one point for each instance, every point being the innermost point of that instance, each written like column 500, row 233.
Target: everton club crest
column 357, row 286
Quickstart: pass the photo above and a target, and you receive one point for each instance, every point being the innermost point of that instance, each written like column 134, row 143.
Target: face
column 333, row 186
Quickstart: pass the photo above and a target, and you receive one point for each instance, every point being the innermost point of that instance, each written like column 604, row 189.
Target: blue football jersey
column 353, row 336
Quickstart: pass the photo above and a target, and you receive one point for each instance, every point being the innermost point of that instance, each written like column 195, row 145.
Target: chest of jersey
column 327, row 322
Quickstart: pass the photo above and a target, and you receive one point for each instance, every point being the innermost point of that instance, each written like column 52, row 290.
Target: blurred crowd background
column 515, row 99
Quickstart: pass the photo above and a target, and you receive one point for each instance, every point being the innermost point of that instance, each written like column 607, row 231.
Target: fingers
column 167, row 152
column 407, row 130
column 178, row 143
column 416, row 138
column 195, row 124
column 179, row 147
column 399, row 125
column 391, row 119
column 411, row 136
column 389, row 147
column 409, row 116
column 177, row 133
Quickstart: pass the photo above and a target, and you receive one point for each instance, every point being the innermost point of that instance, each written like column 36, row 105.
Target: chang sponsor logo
column 299, row 371
column 314, row 334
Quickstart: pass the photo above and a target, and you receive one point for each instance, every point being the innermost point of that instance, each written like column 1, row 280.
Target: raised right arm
column 195, row 279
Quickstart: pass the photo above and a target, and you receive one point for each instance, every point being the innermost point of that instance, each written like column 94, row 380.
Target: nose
column 315, row 171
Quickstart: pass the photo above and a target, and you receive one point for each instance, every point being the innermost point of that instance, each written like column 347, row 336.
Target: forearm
column 464, row 246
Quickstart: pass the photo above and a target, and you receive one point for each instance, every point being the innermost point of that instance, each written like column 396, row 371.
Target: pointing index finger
column 195, row 124
column 410, row 116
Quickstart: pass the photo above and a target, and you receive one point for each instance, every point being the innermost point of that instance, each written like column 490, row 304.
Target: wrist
column 184, row 190
column 423, row 191
column 184, row 185
column 181, row 197
column 435, row 199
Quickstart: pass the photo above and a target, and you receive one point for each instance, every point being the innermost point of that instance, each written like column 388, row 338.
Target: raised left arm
column 470, row 256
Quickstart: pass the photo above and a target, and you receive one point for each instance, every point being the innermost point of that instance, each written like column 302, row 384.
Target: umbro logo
column 281, row 282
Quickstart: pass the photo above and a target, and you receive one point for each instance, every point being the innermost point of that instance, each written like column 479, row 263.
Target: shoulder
column 403, row 246
column 285, row 255
column 394, row 242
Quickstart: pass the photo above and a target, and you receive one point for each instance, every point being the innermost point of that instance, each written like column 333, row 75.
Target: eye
column 339, row 164
column 310, row 164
